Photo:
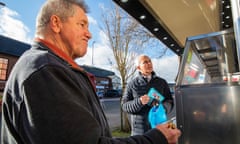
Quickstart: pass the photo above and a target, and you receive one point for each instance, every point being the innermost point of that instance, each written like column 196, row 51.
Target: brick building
column 10, row 51
column 104, row 79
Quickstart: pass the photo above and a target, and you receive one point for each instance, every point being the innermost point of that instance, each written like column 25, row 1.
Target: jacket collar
column 153, row 74
column 68, row 59
column 60, row 53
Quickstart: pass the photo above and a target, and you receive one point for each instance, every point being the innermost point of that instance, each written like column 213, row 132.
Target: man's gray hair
column 137, row 60
column 61, row 8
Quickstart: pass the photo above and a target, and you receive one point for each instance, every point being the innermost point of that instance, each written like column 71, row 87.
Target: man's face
column 75, row 33
column 145, row 65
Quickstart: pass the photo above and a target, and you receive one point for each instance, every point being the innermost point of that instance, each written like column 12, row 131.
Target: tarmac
column 111, row 108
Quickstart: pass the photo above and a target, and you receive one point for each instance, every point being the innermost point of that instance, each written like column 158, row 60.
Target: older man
column 135, row 100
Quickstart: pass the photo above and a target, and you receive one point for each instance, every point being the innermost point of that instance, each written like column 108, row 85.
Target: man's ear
column 55, row 23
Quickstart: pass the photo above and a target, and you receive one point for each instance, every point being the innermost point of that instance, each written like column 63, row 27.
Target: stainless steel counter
column 208, row 113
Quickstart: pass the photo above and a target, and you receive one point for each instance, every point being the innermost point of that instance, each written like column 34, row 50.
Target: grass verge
column 119, row 133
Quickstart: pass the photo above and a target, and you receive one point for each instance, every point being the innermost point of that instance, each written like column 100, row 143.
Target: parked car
column 100, row 94
column 111, row 93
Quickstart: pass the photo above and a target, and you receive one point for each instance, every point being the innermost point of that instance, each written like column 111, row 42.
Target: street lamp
column 2, row 5
column 92, row 51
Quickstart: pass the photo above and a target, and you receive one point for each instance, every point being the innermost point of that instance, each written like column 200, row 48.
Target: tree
column 127, row 38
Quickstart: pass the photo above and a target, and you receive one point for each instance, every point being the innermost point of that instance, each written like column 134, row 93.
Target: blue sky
column 18, row 22
column 27, row 11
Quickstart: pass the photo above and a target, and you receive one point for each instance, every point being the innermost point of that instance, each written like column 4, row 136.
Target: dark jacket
column 131, row 101
column 48, row 100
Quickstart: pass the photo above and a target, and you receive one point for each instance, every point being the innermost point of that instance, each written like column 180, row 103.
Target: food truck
column 205, row 34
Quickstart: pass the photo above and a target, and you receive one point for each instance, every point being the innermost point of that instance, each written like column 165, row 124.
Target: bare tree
column 127, row 38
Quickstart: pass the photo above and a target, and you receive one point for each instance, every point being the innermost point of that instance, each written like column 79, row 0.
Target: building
column 104, row 79
column 116, row 82
column 10, row 51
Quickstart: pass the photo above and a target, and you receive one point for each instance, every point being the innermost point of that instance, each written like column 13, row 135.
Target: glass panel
column 209, row 58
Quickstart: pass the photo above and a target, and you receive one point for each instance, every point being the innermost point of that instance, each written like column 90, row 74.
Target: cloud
column 92, row 20
column 12, row 27
column 166, row 67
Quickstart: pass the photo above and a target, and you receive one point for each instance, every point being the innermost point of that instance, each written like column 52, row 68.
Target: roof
column 12, row 47
column 172, row 21
column 98, row 72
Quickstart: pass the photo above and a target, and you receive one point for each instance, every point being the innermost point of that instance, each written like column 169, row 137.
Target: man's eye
column 81, row 24
column 146, row 62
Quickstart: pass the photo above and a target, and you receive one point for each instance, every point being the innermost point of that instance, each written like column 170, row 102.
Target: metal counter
column 208, row 113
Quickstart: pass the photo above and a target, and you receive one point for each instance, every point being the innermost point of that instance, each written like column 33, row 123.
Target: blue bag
column 157, row 114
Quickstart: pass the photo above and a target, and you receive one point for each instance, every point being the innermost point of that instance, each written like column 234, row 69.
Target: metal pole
column 2, row 5
column 92, row 51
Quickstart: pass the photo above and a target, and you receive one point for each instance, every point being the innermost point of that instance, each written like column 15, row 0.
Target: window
column 3, row 68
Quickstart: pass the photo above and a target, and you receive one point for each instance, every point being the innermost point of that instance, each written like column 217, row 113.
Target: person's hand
column 171, row 134
column 144, row 99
